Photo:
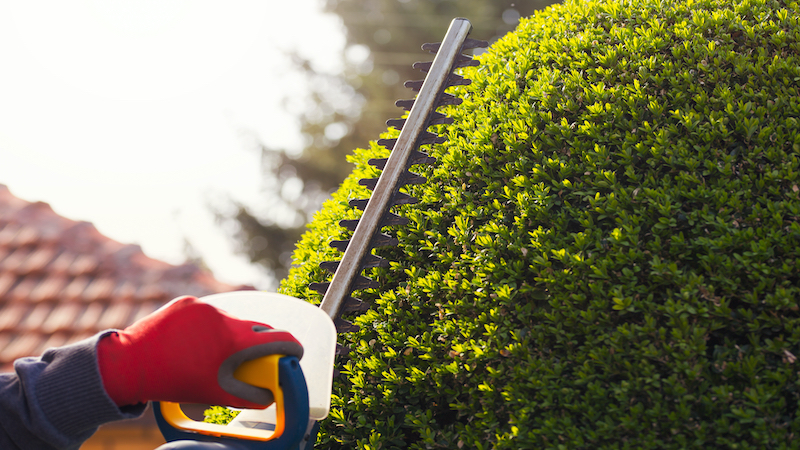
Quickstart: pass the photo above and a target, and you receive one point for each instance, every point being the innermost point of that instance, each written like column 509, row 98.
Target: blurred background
column 208, row 132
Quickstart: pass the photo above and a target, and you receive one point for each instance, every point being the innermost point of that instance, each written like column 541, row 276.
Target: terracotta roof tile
column 62, row 281
column 99, row 289
column 51, row 288
column 62, row 262
column 36, row 317
column 4, row 252
column 150, row 292
column 56, row 340
column 124, row 291
column 7, row 281
column 13, row 262
column 5, row 339
column 8, row 233
column 145, row 309
column 83, row 265
column 23, row 344
column 75, row 288
column 21, row 292
column 37, row 260
column 117, row 315
column 80, row 336
column 62, row 317
column 26, row 236
column 12, row 316
column 90, row 317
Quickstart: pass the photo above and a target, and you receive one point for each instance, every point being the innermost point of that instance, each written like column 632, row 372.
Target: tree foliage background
column 345, row 110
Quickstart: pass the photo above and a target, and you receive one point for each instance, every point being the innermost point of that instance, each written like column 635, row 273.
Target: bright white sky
column 131, row 114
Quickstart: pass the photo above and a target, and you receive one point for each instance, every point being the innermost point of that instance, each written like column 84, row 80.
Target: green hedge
column 605, row 255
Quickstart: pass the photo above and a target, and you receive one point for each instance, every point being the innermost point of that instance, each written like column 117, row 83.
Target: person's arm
column 186, row 351
column 56, row 401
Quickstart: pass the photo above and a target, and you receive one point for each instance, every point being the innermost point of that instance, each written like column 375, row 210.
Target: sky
column 141, row 116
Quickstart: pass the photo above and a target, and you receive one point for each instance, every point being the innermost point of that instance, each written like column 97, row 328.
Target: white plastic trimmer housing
column 308, row 324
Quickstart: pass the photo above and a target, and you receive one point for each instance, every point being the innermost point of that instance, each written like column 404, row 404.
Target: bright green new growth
column 605, row 255
column 219, row 415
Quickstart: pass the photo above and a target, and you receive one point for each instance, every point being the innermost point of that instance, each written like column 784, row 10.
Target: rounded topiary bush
column 606, row 254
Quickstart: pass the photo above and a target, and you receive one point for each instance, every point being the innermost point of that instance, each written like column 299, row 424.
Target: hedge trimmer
column 291, row 423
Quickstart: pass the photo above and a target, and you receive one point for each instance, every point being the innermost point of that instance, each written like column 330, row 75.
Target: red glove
column 186, row 352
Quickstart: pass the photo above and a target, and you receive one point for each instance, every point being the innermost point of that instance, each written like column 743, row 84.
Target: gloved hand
column 186, row 352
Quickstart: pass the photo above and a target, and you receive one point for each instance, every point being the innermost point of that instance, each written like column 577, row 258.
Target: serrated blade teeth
column 341, row 350
column 452, row 80
column 382, row 240
column 352, row 304
column 458, row 80
column 362, row 282
column 461, row 61
column 322, row 288
column 405, row 104
column 414, row 85
column 344, row 326
column 330, row 266
column 414, row 158
column 423, row 66
column 426, row 137
column 448, row 99
column 378, row 240
column 370, row 183
column 360, row 203
column 466, row 61
column 411, row 178
column 426, row 160
column 399, row 198
column 388, row 220
column 388, row 143
column 340, row 245
column 391, row 219
column 438, row 118
column 369, row 261
column 474, row 43
column 432, row 47
column 349, row 224
column 467, row 45
column 418, row 157
column 379, row 163
column 405, row 178
column 397, row 123
column 443, row 100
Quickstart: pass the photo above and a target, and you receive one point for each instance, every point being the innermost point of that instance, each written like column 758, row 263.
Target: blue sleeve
column 56, row 401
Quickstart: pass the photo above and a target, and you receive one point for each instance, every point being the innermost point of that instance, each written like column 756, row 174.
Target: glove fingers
column 254, row 333
column 248, row 392
column 293, row 346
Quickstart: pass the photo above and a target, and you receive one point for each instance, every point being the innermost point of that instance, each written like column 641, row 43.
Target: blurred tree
column 344, row 111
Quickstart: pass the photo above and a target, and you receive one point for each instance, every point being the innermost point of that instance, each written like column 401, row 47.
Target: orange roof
column 62, row 281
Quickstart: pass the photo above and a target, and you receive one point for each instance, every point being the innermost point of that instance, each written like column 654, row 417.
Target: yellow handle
column 261, row 372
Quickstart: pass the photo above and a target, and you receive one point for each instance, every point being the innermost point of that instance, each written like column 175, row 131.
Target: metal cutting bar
column 416, row 123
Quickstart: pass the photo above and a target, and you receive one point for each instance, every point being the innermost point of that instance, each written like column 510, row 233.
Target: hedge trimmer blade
column 385, row 189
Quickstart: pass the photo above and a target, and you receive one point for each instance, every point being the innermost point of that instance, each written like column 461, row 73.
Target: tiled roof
column 62, row 281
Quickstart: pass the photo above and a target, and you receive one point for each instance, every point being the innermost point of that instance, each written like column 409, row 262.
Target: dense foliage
column 606, row 254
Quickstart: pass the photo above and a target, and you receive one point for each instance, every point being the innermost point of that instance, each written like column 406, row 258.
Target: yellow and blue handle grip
column 280, row 374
